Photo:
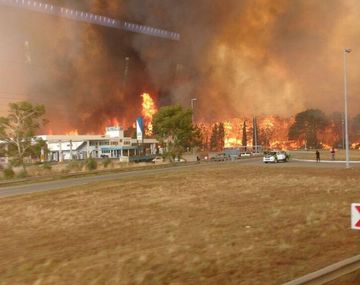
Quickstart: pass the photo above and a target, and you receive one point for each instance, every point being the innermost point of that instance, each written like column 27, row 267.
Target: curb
column 326, row 161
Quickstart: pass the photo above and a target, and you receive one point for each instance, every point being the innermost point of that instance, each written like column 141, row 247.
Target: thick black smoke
column 237, row 57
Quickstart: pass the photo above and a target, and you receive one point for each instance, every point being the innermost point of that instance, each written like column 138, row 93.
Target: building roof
column 64, row 138
column 83, row 138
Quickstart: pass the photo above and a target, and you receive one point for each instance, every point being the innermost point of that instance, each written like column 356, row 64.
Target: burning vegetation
column 148, row 110
column 256, row 59
column 308, row 129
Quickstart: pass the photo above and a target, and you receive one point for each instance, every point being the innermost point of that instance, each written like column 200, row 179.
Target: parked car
column 220, row 157
column 157, row 159
column 245, row 154
column 177, row 159
column 275, row 156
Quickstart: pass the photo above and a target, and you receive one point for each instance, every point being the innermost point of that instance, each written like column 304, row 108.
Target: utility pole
column 343, row 131
column 346, row 51
column 192, row 108
column 255, row 134
column 126, row 71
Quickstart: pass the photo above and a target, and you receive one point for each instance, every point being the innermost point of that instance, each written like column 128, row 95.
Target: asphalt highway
column 71, row 182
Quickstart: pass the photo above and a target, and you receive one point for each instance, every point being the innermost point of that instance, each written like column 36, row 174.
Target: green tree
column 307, row 126
column 244, row 135
column 39, row 148
column 173, row 125
column 19, row 127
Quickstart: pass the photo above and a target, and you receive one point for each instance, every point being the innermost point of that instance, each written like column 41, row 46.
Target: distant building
column 112, row 145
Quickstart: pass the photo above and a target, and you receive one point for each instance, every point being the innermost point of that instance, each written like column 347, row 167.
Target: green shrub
column 22, row 174
column 15, row 162
column 74, row 165
column 106, row 162
column 91, row 164
column 47, row 166
column 65, row 171
column 9, row 173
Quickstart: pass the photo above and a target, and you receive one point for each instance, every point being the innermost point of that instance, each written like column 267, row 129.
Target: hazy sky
column 237, row 57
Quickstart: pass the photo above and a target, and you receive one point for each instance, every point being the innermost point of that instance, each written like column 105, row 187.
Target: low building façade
column 112, row 145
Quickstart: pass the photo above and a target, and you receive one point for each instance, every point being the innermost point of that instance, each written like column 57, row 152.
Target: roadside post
column 140, row 135
column 355, row 216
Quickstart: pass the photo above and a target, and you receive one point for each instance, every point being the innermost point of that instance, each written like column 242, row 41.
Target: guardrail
column 329, row 273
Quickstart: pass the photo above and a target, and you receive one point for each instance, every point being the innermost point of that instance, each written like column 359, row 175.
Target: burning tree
column 244, row 135
column 335, row 130
column 148, row 110
column 173, row 125
column 307, row 126
column 254, row 132
column 217, row 139
column 355, row 130
column 18, row 129
column 221, row 136
column 214, row 137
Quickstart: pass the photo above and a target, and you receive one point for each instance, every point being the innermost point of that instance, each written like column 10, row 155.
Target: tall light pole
column 192, row 108
column 126, row 71
column 346, row 51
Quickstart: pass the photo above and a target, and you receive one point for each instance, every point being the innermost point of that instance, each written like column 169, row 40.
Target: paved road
column 59, row 184
column 305, row 163
column 70, row 182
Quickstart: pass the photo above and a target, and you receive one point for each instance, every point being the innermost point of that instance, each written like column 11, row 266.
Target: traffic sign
column 355, row 216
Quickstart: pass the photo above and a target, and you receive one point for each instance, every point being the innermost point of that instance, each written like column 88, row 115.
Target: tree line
column 173, row 127
column 314, row 128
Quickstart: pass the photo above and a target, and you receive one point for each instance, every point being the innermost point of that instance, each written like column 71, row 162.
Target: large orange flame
column 72, row 133
column 271, row 131
column 148, row 110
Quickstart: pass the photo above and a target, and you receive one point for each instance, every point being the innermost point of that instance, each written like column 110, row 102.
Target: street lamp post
column 346, row 51
column 192, row 108
column 343, row 130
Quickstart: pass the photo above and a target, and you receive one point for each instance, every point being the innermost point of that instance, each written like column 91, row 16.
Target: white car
column 158, row 159
column 177, row 159
column 275, row 156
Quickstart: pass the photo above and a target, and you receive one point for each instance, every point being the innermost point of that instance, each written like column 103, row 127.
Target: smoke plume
column 237, row 57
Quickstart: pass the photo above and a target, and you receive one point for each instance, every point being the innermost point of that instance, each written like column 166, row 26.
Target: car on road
column 158, row 159
column 245, row 154
column 220, row 157
column 179, row 159
column 275, row 156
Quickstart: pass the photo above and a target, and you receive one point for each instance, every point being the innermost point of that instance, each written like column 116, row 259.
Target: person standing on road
column 317, row 156
column 332, row 154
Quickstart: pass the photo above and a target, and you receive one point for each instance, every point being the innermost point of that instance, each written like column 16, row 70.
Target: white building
column 113, row 145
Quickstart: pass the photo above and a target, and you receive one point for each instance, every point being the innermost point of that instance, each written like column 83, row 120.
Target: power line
column 90, row 18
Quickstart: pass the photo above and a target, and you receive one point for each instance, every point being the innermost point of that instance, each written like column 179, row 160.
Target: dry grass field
column 214, row 224
column 350, row 279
